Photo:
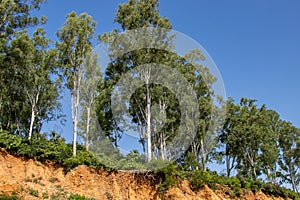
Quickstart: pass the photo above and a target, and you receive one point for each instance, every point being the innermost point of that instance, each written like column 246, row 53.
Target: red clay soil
column 30, row 179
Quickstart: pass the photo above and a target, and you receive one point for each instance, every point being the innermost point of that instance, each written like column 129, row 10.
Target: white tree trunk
column 87, row 128
column 31, row 122
column 34, row 102
column 148, row 113
column 75, row 112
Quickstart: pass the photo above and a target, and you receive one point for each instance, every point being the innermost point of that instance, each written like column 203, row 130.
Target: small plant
column 33, row 192
column 45, row 195
column 28, row 180
column 6, row 197
column 59, row 188
column 108, row 196
column 37, row 180
column 79, row 197
column 53, row 180
column 58, row 195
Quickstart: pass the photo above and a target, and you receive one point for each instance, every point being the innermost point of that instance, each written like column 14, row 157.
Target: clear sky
column 255, row 43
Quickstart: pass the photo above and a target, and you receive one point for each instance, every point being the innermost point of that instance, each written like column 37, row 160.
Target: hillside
column 30, row 179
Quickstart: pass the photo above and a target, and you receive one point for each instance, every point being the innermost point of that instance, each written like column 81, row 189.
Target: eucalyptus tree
column 74, row 46
column 136, row 14
column 91, row 78
column 34, row 63
column 228, row 138
column 15, row 16
column 289, row 161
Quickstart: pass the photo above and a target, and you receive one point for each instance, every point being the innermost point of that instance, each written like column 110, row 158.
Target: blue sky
column 255, row 43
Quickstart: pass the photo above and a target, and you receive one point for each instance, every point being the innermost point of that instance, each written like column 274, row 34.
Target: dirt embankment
column 31, row 179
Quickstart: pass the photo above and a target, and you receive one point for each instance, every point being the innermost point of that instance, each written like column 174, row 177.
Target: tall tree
column 75, row 45
column 41, row 90
column 270, row 146
column 91, row 78
column 14, row 17
column 228, row 137
column 136, row 14
column 202, row 80
column 289, row 162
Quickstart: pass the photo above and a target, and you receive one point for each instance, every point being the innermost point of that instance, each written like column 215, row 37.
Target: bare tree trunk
column 31, row 122
column 275, row 175
column 149, row 142
column 34, row 101
column 203, row 155
column 293, row 179
column 75, row 112
column 87, row 128
column 75, row 121
column 228, row 165
column 162, row 109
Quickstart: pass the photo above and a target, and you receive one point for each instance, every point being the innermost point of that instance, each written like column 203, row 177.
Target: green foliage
column 79, row 197
column 53, row 180
column 7, row 197
column 33, row 192
column 168, row 177
column 133, row 160
column 108, row 196
column 42, row 149
column 201, row 178
column 45, row 195
column 9, row 141
column 73, row 47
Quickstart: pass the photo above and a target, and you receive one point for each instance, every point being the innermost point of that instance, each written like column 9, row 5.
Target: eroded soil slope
column 31, row 179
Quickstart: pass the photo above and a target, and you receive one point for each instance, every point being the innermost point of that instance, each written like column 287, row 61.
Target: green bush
column 168, row 177
column 42, row 149
column 235, row 184
column 10, row 142
column 200, row 178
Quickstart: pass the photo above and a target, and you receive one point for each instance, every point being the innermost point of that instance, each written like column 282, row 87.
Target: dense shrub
column 201, row 178
column 168, row 177
column 41, row 148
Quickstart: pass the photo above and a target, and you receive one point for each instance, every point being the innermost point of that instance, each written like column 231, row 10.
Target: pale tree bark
column 203, row 154
column 33, row 100
column 292, row 176
column 141, row 127
column 145, row 76
column 88, row 118
column 148, row 113
column 76, row 82
column 163, row 148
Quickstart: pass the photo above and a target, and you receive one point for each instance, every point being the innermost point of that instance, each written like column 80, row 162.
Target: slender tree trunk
column 149, row 142
column 164, row 151
column 75, row 115
column 275, row 175
column 228, row 165
column 203, row 156
column 31, row 122
column 75, row 122
column 34, row 102
column 292, row 178
column 87, row 128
